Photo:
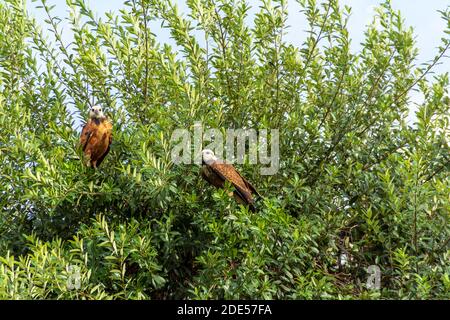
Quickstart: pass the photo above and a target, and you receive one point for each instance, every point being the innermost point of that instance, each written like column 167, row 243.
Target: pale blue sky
column 422, row 15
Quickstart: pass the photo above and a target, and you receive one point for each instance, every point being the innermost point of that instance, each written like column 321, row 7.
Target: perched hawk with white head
column 216, row 172
column 96, row 137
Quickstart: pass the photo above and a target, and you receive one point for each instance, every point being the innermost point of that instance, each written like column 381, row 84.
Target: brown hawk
column 216, row 172
column 96, row 137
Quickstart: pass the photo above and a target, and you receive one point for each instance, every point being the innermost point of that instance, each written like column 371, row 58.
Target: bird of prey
column 96, row 137
column 216, row 172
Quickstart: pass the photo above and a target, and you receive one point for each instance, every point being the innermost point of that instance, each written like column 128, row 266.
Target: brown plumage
column 96, row 138
column 217, row 172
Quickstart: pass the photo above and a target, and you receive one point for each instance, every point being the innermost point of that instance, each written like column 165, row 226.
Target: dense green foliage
column 355, row 179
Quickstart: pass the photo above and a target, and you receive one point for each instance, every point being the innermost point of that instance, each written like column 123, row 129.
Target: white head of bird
column 208, row 156
column 96, row 112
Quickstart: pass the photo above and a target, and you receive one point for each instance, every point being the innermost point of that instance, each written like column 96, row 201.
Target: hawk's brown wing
column 249, row 185
column 86, row 134
column 108, row 133
column 228, row 172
